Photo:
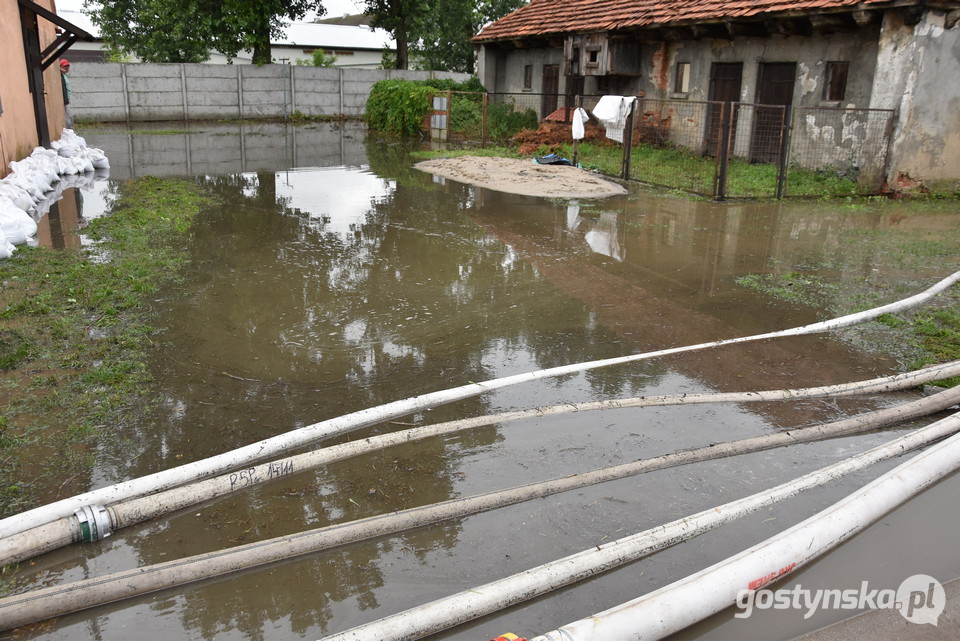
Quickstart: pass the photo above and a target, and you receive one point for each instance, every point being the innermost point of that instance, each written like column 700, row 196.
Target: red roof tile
column 542, row 17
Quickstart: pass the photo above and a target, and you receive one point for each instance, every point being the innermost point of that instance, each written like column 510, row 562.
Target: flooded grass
column 72, row 336
column 896, row 259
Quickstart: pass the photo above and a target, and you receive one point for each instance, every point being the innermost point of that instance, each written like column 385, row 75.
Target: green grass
column 679, row 169
column 922, row 336
column 73, row 332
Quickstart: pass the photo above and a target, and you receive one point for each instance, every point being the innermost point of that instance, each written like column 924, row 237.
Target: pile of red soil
column 552, row 135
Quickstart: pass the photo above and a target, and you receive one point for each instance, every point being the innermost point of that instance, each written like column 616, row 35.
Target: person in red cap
column 65, row 81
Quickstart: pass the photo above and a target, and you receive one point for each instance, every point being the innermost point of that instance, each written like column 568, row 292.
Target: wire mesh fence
column 839, row 145
column 742, row 150
column 714, row 149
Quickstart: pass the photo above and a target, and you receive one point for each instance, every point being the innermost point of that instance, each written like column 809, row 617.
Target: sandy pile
column 523, row 177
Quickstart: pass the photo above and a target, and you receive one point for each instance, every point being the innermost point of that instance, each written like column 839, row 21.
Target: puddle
column 334, row 278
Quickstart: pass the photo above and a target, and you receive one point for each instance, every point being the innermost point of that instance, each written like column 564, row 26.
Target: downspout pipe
column 45, row 603
column 92, row 523
column 282, row 443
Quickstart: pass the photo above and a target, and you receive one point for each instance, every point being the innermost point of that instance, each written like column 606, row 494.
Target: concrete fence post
column 126, row 92
column 240, row 92
column 183, row 92
column 341, row 91
column 293, row 89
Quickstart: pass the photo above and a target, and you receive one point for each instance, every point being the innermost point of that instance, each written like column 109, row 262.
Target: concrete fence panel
column 111, row 92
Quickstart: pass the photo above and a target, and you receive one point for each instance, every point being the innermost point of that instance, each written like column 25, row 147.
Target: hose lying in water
column 282, row 443
column 683, row 603
column 451, row 611
column 49, row 602
column 68, row 530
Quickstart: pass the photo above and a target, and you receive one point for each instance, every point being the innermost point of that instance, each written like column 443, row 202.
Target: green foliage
column 503, row 121
column 186, row 31
column 471, row 85
column 444, row 30
column 399, row 106
column 319, row 58
column 435, row 33
column 322, row 59
column 398, row 17
column 153, row 30
column 466, row 114
column 388, row 59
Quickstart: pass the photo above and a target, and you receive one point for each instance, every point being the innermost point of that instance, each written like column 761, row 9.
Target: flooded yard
column 334, row 277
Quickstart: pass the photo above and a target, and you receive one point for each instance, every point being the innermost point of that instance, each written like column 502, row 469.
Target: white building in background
column 354, row 45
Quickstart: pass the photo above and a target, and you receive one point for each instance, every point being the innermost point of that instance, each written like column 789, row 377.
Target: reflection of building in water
column 674, row 284
column 58, row 227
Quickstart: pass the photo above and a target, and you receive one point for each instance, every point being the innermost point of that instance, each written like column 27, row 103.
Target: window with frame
column 528, row 77
column 681, row 81
column 835, row 81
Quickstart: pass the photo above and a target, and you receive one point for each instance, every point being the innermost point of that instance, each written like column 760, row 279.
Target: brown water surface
column 334, row 277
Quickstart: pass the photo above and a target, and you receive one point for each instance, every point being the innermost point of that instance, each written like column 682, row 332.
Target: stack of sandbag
column 31, row 179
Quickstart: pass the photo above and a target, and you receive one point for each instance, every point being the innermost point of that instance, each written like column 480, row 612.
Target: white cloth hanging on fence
column 579, row 118
column 612, row 112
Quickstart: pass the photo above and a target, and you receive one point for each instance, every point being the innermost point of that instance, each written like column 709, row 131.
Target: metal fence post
column 785, row 139
column 293, row 88
column 576, row 141
column 628, row 141
column 483, row 122
column 723, row 151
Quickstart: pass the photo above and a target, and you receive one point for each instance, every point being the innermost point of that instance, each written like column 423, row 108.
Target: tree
column 436, row 33
column 186, row 30
column 399, row 17
column 153, row 30
column 445, row 32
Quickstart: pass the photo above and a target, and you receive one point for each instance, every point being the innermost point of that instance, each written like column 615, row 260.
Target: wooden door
column 774, row 98
column 725, row 84
column 550, row 90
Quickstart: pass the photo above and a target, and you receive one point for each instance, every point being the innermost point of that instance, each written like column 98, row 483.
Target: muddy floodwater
column 334, row 277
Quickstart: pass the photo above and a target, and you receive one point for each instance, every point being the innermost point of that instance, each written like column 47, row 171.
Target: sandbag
column 16, row 224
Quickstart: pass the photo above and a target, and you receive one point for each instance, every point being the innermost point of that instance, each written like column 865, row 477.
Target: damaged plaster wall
column 920, row 77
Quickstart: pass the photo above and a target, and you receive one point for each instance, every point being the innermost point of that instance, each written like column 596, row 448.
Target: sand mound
column 523, row 177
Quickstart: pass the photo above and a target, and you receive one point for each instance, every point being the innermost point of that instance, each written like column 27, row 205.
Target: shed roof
column 550, row 17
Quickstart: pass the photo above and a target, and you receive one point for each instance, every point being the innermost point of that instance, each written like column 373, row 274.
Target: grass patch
column 793, row 287
column 679, row 169
column 868, row 271
column 73, row 337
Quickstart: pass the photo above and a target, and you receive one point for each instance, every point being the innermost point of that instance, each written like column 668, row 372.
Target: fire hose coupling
column 94, row 523
column 509, row 636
